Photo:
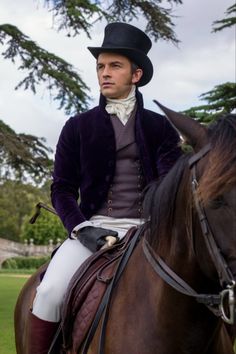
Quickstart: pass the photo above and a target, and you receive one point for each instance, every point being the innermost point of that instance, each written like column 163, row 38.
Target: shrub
column 47, row 227
column 24, row 262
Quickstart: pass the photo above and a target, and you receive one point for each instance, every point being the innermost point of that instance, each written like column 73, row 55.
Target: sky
column 181, row 74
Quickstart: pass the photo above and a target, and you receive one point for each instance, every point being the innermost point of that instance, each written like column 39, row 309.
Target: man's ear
column 136, row 76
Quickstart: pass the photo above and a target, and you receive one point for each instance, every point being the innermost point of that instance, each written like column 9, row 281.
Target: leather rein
column 215, row 302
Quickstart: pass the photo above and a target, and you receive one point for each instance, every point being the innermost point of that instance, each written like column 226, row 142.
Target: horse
column 177, row 291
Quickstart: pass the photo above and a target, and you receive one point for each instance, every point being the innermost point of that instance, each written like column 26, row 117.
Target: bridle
column 222, row 304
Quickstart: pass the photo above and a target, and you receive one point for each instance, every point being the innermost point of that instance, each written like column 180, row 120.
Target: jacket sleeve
column 169, row 150
column 66, row 177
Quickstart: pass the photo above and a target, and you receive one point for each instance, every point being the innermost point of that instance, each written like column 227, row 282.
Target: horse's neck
column 143, row 293
column 176, row 247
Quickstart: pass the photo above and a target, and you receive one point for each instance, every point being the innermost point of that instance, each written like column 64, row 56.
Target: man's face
column 115, row 75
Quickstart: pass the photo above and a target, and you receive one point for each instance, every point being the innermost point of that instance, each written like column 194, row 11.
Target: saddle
column 85, row 293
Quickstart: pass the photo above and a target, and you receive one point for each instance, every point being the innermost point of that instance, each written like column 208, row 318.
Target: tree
column 16, row 201
column 22, row 156
column 226, row 22
column 222, row 98
column 65, row 85
column 48, row 227
column 77, row 15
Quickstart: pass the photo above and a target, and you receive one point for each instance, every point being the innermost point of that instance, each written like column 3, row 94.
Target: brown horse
column 177, row 292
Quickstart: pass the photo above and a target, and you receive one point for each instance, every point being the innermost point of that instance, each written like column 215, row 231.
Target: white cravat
column 122, row 108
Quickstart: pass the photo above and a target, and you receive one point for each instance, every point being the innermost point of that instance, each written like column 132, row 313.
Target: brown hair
column 220, row 173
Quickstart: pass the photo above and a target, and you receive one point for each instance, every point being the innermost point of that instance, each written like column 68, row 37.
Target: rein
column 216, row 303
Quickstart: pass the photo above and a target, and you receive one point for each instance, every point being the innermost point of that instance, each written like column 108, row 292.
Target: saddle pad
column 85, row 292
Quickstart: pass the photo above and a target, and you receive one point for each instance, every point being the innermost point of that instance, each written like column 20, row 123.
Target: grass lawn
column 10, row 287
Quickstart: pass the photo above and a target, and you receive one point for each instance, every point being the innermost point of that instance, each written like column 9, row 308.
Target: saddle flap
column 86, row 290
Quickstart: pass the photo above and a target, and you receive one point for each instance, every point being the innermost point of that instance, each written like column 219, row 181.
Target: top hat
column 130, row 41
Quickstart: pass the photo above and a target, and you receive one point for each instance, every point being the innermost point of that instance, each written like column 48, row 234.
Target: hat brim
column 136, row 56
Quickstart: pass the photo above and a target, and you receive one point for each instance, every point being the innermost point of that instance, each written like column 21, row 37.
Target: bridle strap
column 199, row 155
column 171, row 278
column 224, row 273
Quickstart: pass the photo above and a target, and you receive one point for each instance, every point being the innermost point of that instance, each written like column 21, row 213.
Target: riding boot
column 40, row 335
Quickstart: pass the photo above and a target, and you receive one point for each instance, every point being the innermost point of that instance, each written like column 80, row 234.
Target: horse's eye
column 218, row 202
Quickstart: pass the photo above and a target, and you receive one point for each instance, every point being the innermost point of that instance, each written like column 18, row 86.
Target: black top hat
column 129, row 41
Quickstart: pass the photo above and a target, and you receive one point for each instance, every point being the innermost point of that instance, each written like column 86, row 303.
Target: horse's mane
column 220, row 175
column 159, row 201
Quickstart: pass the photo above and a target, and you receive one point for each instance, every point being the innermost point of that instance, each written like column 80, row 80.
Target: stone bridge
column 10, row 249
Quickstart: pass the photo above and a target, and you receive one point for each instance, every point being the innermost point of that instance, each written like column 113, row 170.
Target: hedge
column 24, row 262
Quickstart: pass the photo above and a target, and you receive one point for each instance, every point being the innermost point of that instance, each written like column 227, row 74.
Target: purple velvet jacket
column 85, row 158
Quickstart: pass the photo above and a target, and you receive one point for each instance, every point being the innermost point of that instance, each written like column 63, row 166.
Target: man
column 106, row 156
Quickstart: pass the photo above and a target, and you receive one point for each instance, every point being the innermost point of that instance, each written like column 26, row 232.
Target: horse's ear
column 193, row 132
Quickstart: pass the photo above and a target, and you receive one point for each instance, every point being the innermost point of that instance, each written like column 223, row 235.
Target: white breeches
column 47, row 303
column 71, row 254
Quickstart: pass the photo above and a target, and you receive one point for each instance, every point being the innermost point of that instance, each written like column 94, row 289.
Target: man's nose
column 106, row 71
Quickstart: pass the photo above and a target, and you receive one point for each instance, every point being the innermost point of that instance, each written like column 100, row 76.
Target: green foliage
column 47, row 227
column 159, row 19
column 65, row 85
column 77, row 15
column 16, row 201
column 221, row 100
column 226, row 22
column 23, row 156
column 24, row 262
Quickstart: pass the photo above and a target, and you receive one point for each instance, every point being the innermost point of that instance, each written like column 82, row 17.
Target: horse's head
column 213, row 168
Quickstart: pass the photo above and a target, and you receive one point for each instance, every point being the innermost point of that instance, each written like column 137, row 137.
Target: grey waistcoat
column 125, row 192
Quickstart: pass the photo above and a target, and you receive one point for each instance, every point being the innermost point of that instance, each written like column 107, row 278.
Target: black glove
column 94, row 237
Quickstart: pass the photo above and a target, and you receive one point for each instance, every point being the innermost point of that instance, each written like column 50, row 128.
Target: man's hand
column 94, row 238
column 110, row 241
